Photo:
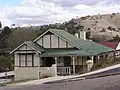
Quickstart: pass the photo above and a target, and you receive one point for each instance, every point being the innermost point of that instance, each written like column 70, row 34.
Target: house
column 113, row 45
column 55, row 52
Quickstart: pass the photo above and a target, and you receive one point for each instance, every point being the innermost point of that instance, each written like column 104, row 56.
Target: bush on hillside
column 103, row 30
column 105, row 63
column 110, row 28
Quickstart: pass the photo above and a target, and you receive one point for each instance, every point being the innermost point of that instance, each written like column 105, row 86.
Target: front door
column 67, row 61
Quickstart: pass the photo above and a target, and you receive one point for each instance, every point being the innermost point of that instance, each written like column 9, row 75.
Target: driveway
column 103, row 83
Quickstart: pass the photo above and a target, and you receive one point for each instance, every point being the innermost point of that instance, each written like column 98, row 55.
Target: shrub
column 113, row 14
column 83, row 18
column 88, row 15
column 105, row 63
column 103, row 30
column 118, row 28
column 88, row 29
column 113, row 29
column 110, row 28
column 96, row 22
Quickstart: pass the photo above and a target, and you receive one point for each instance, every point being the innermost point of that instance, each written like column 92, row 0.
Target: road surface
column 103, row 83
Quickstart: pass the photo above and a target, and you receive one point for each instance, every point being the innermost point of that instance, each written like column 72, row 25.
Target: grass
column 22, row 81
column 2, row 84
column 19, row 81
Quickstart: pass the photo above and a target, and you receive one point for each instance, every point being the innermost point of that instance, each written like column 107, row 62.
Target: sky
column 40, row 12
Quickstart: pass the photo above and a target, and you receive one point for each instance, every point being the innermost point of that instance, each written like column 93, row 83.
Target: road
column 104, row 83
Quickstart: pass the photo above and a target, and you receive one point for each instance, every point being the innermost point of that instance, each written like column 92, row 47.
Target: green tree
column 4, row 36
column 116, row 38
column 18, row 36
column 0, row 25
column 5, row 62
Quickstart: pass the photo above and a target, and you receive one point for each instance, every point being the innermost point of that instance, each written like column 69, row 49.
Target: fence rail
column 63, row 70
column 9, row 73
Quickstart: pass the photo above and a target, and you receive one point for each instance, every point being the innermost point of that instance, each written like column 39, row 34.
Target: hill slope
column 107, row 25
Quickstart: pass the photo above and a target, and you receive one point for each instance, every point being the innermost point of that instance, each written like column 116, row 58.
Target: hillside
column 107, row 25
column 102, row 27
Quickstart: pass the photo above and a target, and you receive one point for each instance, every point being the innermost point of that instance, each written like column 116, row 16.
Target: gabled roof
column 79, row 43
column 34, row 46
column 110, row 44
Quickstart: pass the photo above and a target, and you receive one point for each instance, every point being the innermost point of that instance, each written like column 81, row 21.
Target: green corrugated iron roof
column 65, row 53
column 79, row 43
column 70, row 53
column 35, row 46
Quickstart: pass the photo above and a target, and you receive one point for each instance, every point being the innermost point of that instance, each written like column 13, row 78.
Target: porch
column 67, row 65
column 68, row 61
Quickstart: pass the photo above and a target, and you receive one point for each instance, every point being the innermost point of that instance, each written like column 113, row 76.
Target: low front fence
column 63, row 71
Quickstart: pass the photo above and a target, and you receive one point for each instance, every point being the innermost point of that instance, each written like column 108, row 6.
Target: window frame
column 26, row 60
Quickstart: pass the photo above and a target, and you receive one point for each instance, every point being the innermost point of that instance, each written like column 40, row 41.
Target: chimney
column 82, row 34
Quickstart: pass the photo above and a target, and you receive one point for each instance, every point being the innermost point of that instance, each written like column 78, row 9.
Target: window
column 26, row 60
column 29, row 60
column 22, row 60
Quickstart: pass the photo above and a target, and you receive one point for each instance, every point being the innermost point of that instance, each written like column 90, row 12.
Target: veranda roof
column 65, row 53
column 68, row 53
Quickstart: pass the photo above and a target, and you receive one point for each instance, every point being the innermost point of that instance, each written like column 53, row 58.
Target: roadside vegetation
column 105, row 63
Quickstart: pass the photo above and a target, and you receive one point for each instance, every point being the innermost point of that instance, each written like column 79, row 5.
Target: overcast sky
column 39, row 12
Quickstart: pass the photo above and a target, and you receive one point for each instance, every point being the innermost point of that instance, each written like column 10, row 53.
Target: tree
column 88, row 35
column 81, row 27
column 103, row 30
column 110, row 28
column 6, row 30
column 4, row 36
column 0, row 25
column 115, row 39
column 88, row 29
column 17, row 37
column 5, row 62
